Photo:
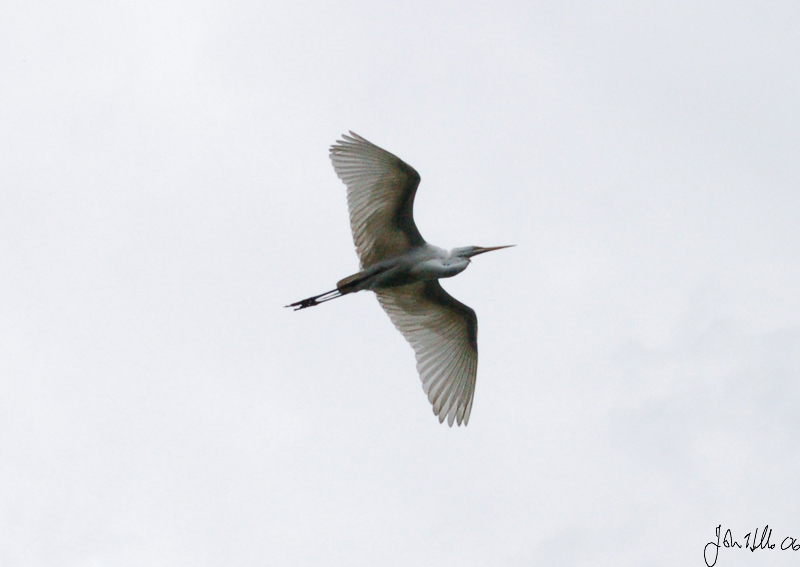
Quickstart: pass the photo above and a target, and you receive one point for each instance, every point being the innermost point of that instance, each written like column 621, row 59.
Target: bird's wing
column 444, row 334
column 380, row 196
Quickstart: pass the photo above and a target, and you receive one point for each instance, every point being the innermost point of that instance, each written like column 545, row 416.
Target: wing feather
column 443, row 333
column 380, row 197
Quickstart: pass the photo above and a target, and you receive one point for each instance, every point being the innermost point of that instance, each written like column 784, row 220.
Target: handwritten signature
column 752, row 541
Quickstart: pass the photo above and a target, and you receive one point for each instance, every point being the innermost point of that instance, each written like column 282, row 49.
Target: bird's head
column 470, row 251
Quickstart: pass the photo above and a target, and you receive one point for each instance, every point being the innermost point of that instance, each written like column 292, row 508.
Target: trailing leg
column 316, row 300
column 350, row 284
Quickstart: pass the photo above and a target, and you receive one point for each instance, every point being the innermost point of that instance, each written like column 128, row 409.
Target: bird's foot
column 310, row 302
column 316, row 300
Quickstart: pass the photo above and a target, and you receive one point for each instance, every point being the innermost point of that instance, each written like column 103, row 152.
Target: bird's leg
column 316, row 300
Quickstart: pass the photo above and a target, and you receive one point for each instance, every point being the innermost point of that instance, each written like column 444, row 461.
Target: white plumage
column 403, row 270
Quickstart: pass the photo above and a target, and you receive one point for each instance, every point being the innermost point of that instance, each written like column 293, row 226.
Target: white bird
column 403, row 270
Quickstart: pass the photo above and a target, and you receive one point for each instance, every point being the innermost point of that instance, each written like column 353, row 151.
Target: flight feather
column 380, row 196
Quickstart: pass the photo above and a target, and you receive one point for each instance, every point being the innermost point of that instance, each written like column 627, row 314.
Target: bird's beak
column 482, row 250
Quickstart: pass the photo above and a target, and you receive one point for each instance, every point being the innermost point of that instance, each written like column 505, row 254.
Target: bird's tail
column 316, row 300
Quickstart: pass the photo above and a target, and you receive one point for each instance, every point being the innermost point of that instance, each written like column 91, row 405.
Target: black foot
column 316, row 300
column 310, row 302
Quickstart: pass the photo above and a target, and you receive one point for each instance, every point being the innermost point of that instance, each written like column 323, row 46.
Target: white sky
column 165, row 189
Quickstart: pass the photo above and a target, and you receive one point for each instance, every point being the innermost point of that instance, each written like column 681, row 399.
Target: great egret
column 403, row 270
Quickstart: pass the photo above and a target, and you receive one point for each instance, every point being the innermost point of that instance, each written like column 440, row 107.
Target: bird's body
column 424, row 262
column 403, row 270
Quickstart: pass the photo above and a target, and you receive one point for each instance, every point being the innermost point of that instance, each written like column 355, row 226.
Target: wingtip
column 349, row 138
column 453, row 417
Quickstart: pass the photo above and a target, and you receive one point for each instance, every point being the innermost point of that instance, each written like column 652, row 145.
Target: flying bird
column 404, row 271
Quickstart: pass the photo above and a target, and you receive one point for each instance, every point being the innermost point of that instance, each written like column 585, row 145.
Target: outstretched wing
column 444, row 334
column 380, row 196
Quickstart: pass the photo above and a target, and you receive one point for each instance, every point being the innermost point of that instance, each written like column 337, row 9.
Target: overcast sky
column 165, row 189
